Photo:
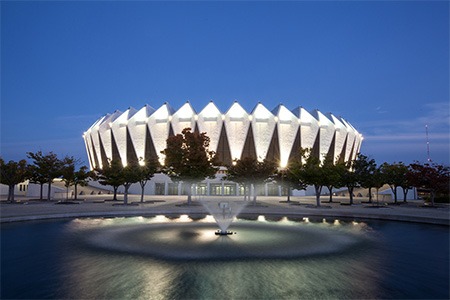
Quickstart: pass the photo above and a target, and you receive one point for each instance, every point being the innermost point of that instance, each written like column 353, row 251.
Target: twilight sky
column 381, row 65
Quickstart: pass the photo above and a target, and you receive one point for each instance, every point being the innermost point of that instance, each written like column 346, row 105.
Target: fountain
column 223, row 211
column 185, row 239
column 179, row 257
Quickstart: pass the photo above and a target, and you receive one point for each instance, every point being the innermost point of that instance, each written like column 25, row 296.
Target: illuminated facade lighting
column 262, row 134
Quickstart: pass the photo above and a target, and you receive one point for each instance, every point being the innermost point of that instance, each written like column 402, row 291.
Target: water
column 116, row 258
column 223, row 211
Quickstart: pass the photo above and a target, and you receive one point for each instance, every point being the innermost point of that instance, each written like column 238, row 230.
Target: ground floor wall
column 161, row 184
column 19, row 190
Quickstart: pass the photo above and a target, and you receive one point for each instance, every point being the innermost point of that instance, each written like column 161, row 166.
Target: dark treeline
column 188, row 159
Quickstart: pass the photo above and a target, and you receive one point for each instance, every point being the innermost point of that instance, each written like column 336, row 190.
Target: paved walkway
column 96, row 206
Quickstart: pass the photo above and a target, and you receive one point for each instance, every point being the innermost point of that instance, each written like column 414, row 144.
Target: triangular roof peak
column 185, row 107
column 169, row 108
column 211, row 106
column 276, row 109
column 236, row 106
column 297, row 111
column 259, row 104
column 261, row 109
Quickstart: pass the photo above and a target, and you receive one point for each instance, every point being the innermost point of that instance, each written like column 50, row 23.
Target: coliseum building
column 235, row 134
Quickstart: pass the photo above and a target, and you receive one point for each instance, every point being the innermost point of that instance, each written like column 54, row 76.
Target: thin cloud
column 380, row 110
column 405, row 137
column 436, row 116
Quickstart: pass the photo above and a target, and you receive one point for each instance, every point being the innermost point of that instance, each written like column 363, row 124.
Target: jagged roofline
column 274, row 112
column 328, row 124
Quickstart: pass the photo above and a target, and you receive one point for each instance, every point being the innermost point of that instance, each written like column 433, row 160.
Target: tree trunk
column 41, row 195
column 142, row 194
column 318, row 189
column 115, row 192
column 11, row 193
column 432, row 196
column 76, row 191
column 370, row 195
column 350, row 191
column 142, row 190
column 288, row 190
column 378, row 189
column 125, row 194
column 405, row 194
column 49, row 190
column 394, row 192
column 189, row 191
column 330, row 189
column 255, row 192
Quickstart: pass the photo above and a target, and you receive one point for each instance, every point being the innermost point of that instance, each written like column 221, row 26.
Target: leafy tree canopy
column 12, row 173
column 432, row 177
column 250, row 170
column 111, row 174
column 188, row 158
column 46, row 166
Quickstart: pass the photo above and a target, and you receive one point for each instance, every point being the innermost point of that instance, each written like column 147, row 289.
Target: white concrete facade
column 138, row 133
column 235, row 134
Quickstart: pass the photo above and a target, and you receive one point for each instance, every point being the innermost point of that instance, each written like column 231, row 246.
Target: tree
column 111, row 174
column 349, row 178
column 292, row 174
column 378, row 180
column 37, row 178
column 395, row 176
column 188, row 159
column 240, row 172
column 311, row 172
column 130, row 174
column 406, row 184
column 150, row 167
column 332, row 175
column 434, row 178
column 265, row 170
column 248, row 171
column 72, row 177
column 46, row 168
column 13, row 173
column 81, row 177
column 68, row 173
column 365, row 169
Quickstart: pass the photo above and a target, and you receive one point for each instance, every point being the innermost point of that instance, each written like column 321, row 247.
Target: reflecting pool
column 180, row 257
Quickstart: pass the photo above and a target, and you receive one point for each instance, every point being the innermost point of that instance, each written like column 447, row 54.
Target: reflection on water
column 379, row 260
column 178, row 240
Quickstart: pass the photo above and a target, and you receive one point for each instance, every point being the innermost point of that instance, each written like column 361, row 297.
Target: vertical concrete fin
column 131, row 152
column 150, row 151
column 297, row 146
column 223, row 148
column 96, row 162
column 274, row 148
column 114, row 148
column 249, row 145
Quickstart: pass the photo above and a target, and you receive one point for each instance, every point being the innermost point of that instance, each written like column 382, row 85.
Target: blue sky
column 381, row 65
